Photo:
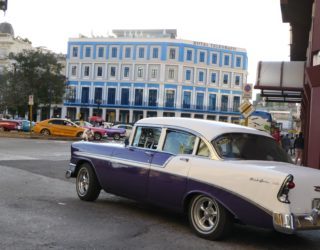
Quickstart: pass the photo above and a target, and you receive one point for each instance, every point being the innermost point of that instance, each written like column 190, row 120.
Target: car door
column 169, row 169
column 128, row 170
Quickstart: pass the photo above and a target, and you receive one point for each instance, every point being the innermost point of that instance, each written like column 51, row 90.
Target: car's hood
column 282, row 167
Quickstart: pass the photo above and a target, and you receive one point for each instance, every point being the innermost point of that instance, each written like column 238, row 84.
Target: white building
column 143, row 73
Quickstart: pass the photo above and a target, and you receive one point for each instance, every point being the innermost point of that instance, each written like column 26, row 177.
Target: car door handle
column 184, row 159
column 149, row 153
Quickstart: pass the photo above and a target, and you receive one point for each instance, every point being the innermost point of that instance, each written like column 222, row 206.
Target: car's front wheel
column 208, row 218
column 88, row 187
column 116, row 136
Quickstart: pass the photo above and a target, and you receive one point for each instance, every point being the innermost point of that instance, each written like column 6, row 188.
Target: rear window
column 249, row 147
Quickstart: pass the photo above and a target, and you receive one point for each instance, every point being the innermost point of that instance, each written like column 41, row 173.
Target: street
column 40, row 210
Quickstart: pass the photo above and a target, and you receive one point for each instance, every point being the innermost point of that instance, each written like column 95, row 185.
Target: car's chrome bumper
column 290, row 223
column 71, row 171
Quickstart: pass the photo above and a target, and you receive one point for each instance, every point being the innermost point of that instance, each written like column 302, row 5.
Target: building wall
column 166, row 72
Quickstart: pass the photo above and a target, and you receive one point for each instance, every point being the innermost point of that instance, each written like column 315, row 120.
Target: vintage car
column 98, row 133
column 59, row 127
column 217, row 173
column 8, row 125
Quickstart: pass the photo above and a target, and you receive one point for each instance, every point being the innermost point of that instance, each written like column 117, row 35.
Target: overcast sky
column 255, row 25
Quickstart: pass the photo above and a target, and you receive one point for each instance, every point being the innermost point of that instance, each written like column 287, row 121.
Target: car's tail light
column 285, row 188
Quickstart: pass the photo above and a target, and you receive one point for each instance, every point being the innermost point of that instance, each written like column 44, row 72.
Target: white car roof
column 208, row 129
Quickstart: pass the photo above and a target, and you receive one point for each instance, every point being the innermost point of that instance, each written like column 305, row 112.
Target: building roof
column 208, row 129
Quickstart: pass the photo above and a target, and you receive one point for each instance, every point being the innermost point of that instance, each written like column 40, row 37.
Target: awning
column 280, row 81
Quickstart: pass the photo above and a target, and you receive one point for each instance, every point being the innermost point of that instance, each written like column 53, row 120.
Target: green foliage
column 32, row 73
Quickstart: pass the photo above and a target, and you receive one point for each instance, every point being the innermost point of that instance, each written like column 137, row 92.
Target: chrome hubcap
column 83, row 182
column 206, row 214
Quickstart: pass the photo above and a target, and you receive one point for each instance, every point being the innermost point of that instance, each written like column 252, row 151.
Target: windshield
column 249, row 147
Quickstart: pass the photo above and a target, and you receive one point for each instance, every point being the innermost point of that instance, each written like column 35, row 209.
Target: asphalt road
column 39, row 209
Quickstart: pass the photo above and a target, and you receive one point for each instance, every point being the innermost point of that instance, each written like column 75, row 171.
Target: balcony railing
column 147, row 105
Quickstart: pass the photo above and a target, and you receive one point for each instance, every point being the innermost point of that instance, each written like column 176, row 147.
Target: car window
column 203, row 149
column 178, row 142
column 56, row 122
column 249, row 147
column 147, row 137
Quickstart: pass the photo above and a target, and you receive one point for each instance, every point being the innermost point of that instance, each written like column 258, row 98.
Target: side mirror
column 126, row 142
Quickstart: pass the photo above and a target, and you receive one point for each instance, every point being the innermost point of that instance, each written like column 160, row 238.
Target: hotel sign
column 216, row 46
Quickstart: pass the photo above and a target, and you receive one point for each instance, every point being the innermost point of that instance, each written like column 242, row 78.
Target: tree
column 32, row 73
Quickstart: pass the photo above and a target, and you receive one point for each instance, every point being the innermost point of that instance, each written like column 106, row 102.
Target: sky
column 255, row 25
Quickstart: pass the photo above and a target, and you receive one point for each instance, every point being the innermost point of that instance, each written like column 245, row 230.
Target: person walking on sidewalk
column 299, row 146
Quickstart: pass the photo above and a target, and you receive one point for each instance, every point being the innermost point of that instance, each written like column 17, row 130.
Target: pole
column 30, row 120
column 246, row 122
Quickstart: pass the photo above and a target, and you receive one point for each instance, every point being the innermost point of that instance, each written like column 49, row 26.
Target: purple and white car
column 217, row 173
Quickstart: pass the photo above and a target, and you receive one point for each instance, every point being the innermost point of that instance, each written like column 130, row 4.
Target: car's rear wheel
column 45, row 132
column 208, row 218
column 88, row 187
column 97, row 136
column 79, row 135
column 116, row 136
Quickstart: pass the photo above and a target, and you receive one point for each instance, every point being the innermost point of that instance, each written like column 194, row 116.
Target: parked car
column 116, row 133
column 25, row 125
column 217, row 173
column 58, row 126
column 98, row 132
column 8, row 125
column 127, row 127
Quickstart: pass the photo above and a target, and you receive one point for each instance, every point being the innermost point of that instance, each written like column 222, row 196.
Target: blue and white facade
column 148, row 73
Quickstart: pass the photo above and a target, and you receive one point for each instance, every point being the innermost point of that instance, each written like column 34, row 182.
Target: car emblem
column 317, row 188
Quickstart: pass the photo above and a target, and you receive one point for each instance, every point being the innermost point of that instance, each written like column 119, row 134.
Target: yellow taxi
column 59, row 127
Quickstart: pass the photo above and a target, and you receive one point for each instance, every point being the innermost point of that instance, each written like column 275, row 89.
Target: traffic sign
column 246, row 108
column 247, row 91
column 30, row 100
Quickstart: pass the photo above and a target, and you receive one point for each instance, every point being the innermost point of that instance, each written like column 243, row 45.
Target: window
column 152, row 97
column 154, row 73
column 138, row 97
column 86, row 71
column 140, row 72
column 203, row 149
column 188, row 74
column 202, row 56
column 74, row 70
column 189, row 55
column 97, row 95
column 141, row 53
column 71, row 93
column 236, row 103
column 212, row 102
column 238, row 61
column 214, row 58
column 126, row 71
column 200, row 97
column 213, row 77
column 100, row 52
column 87, row 52
column 226, row 61
column 127, row 52
column 75, row 52
column 125, row 96
column 147, row 137
column 171, row 74
column 113, row 71
column 169, row 98
column 178, row 142
column 99, row 71
column 186, row 99
column 237, row 81
column 155, row 53
column 85, row 95
column 224, row 103
column 111, row 96
column 114, row 52
column 172, row 53
column 201, row 76
column 225, row 78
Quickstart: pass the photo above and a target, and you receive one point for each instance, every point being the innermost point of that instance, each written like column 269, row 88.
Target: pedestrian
column 292, row 145
column 87, row 134
column 285, row 142
column 276, row 135
column 299, row 146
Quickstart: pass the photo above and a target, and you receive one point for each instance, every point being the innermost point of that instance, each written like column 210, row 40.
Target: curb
column 27, row 135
